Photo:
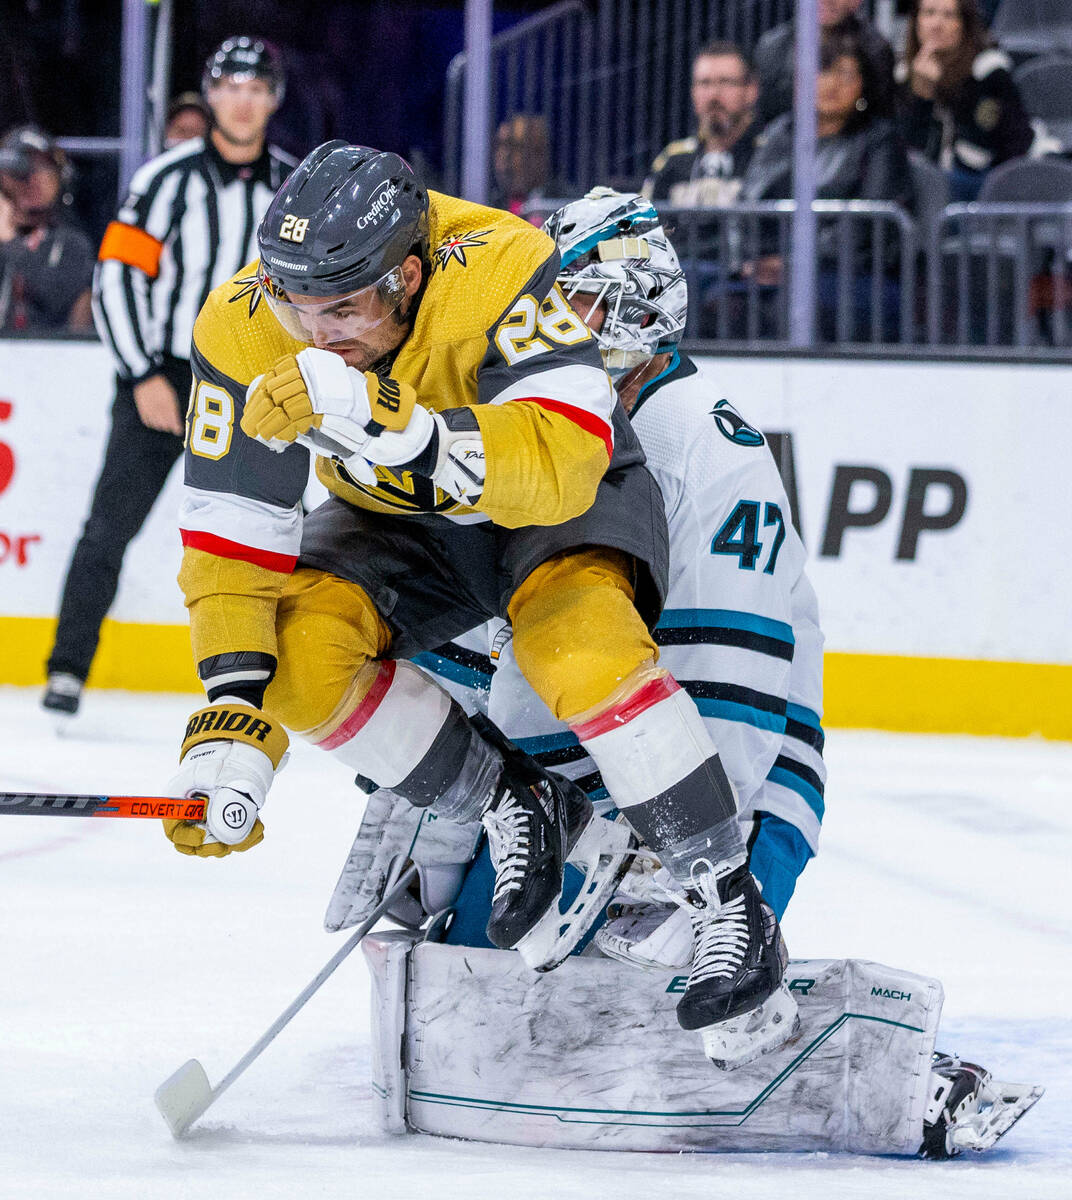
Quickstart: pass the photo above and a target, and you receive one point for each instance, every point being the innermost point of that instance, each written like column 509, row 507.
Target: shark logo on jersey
column 734, row 427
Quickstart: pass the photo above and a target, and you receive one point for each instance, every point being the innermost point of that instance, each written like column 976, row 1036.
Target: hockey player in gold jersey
column 479, row 464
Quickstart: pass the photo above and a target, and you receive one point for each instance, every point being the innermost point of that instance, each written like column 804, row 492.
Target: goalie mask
column 614, row 249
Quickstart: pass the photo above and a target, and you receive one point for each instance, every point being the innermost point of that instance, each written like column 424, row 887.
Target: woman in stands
column 957, row 101
column 859, row 156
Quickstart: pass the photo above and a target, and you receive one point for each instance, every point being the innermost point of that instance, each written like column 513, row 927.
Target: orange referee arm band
column 132, row 246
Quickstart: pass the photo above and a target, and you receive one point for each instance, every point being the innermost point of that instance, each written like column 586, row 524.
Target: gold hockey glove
column 229, row 755
column 316, row 398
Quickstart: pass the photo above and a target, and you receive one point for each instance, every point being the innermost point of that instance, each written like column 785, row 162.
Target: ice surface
column 120, row 959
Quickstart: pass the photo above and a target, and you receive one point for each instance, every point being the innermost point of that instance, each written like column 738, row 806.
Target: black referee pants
column 136, row 465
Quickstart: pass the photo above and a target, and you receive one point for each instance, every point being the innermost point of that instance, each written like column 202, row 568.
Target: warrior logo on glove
column 229, row 755
column 234, row 815
column 221, row 721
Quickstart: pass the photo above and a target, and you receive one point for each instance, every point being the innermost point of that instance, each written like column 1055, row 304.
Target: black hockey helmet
column 245, row 58
column 340, row 226
column 19, row 145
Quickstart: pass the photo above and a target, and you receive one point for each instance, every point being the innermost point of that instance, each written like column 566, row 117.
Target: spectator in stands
column 957, row 102
column 188, row 117
column 774, row 59
column 705, row 170
column 46, row 262
column 521, row 164
column 859, row 156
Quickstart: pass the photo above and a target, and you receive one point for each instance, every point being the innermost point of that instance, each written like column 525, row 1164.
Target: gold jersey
column 493, row 333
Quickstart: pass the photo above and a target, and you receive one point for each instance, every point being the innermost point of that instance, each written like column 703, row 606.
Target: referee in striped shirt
column 189, row 223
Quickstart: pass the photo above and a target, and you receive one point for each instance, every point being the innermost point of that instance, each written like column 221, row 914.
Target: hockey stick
column 184, row 1096
column 34, row 804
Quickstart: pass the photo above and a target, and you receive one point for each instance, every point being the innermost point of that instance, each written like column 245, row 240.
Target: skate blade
column 601, row 852
column 668, row 947
column 741, row 1040
column 1008, row 1103
column 63, row 724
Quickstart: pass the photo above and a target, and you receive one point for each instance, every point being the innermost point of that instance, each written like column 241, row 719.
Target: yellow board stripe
column 862, row 691
column 947, row 695
column 142, row 658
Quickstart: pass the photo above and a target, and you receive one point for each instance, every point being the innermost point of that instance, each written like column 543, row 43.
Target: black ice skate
column 63, row 695
column 735, row 996
column 967, row 1109
column 536, row 821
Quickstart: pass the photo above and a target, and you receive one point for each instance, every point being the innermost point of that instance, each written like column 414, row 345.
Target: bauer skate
column 967, row 1109
column 537, row 822
column 735, row 996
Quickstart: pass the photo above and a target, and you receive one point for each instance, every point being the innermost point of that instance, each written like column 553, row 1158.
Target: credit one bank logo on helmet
column 379, row 206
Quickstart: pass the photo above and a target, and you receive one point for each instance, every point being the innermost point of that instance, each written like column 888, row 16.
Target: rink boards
column 931, row 497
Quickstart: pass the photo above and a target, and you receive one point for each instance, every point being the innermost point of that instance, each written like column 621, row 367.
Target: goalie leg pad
column 591, row 1056
column 393, row 832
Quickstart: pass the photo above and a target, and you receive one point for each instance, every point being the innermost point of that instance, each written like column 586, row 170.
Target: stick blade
column 183, row 1097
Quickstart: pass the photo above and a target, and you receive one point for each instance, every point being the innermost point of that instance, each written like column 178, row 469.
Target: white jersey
column 740, row 630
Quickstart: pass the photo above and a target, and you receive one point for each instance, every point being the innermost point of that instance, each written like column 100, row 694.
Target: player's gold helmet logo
column 293, row 228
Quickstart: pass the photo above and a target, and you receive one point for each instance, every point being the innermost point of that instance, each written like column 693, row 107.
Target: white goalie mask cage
column 614, row 248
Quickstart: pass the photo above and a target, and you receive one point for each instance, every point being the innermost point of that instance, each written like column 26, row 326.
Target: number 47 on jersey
column 740, row 535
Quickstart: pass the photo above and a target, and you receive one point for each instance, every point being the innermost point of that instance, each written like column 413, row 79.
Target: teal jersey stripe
column 549, row 741
column 727, row 710
column 797, row 712
column 726, row 618
column 455, row 672
column 803, row 789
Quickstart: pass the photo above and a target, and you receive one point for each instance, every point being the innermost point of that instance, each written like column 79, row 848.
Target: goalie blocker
column 469, row 1043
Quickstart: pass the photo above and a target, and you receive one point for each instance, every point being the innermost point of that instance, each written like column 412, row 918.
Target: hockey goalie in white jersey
column 740, row 633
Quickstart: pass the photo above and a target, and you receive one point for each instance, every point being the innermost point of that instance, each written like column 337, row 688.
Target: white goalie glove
column 392, row 832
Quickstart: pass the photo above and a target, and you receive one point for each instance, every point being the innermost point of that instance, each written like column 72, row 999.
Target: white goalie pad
column 393, row 831
column 470, row 1043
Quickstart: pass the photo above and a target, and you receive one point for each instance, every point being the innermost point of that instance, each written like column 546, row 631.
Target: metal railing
column 984, row 279
column 1001, row 275
column 609, row 77
column 867, row 257
column 990, row 281
column 735, row 260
